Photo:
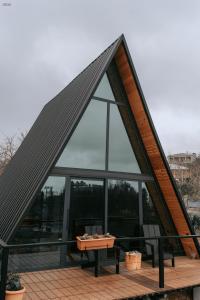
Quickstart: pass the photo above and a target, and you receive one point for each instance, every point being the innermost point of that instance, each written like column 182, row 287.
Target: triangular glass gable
column 104, row 89
column 121, row 155
column 87, row 146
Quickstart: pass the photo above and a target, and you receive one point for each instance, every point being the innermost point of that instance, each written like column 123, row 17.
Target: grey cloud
column 45, row 43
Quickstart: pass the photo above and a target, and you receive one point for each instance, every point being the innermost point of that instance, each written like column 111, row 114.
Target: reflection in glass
column 44, row 221
column 86, row 214
column 86, row 148
column 121, row 155
column 104, row 89
column 150, row 215
column 86, row 205
column 123, row 207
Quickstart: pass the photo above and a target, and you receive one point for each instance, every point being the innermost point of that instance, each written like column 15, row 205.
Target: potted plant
column 14, row 289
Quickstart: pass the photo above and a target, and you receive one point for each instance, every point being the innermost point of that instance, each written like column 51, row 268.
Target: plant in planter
column 14, row 289
column 95, row 241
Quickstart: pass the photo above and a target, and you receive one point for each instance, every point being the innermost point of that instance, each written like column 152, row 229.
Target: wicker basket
column 133, row 260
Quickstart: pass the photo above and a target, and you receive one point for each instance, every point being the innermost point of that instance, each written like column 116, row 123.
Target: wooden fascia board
column 152, row 149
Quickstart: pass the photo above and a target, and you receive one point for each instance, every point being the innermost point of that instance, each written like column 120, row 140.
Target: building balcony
column 75, row 283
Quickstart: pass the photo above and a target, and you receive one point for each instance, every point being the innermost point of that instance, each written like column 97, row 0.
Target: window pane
column 86, row 148
column 123, row 208
column 104, row 90
column 121, row 155
column 86, row 205
column 149, row 214
column 86, row 214
column 44, row 221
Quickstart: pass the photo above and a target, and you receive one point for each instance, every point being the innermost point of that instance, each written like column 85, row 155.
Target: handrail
column 6, row 247
column 62, row 243
column 161, row 237
column 57, row 243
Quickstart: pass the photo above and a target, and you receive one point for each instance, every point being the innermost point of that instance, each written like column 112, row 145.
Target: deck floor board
column 75, row 283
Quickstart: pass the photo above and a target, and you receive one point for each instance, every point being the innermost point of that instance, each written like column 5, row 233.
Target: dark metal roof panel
column 37, row 154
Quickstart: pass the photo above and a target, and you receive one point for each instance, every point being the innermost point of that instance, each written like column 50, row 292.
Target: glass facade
column 87, row 205
column 86, row 212
column 99, row 142
column 101, row 127
column 149, row 213
column 123, row 207
column 44, row 221
column 87, row 146
column 121, row 155
column 104, row 89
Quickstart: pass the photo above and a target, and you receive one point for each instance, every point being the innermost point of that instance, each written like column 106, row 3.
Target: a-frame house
column 93, row 157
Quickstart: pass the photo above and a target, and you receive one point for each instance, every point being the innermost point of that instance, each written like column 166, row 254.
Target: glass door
column 123, row 208
column 86, row 209
column 123, row 211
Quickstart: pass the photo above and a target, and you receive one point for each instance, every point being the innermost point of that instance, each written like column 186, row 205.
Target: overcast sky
column 45, row 43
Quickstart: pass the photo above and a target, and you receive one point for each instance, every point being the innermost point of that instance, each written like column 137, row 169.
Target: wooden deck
column 75, row 283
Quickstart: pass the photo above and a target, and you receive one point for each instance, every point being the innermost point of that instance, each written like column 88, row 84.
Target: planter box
column 133, row 260
column 15, row 295
column 95, row 244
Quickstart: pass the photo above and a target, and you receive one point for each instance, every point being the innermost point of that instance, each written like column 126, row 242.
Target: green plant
column 13, row 282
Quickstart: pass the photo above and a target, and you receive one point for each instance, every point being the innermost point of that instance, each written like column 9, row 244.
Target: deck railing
column 160, row 239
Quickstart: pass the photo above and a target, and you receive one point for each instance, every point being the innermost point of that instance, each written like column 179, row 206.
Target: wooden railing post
column 4, row 271
column 161, row 263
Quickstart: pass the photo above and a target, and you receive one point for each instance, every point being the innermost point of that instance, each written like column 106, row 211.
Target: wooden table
column 96, row 245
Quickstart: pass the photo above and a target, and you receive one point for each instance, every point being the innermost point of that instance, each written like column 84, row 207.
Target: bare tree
column 8, row 147
column 191, row 186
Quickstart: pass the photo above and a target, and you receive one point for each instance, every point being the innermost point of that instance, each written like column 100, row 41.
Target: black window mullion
column 108, row 101
column 106, row 205
column 107, row 136
column 140, row 204
column 63, row 249
column 100, row 174
column 66, row 208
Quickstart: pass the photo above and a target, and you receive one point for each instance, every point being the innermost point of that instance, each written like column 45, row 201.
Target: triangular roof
column 36, row 155
column 31, row 164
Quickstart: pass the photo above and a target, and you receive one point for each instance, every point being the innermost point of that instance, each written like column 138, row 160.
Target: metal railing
column 160, row 239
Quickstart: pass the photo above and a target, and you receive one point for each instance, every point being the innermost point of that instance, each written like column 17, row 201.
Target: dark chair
column 153, row 230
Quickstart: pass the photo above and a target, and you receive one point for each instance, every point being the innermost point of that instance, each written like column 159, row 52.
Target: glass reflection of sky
column 87, row 147
column 121, row 155
column 54, row 184
column 104, row 90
